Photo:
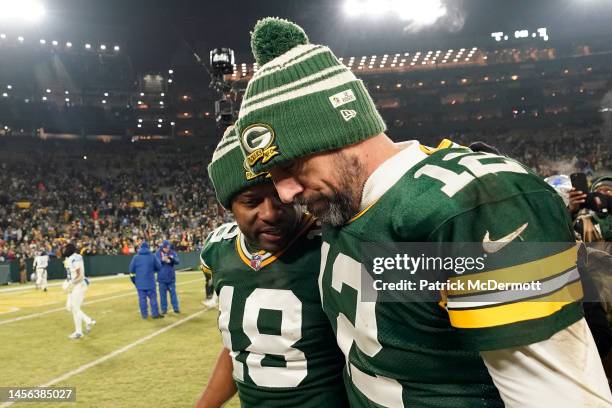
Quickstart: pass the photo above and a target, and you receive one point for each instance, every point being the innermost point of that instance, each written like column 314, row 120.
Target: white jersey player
column 76, row 285
column 41, row 262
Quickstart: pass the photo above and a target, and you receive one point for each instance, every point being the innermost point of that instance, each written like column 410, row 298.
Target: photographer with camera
column 590, row 208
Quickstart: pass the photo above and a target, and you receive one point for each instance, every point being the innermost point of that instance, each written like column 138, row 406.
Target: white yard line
column 108, row 356
column 59, row 282
column 91, row 302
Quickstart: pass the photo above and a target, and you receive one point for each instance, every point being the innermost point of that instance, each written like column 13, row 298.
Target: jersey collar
column 390, row 171
column 394, row 168
column 261, row 259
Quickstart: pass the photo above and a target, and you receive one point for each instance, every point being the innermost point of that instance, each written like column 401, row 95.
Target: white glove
column 67, row 286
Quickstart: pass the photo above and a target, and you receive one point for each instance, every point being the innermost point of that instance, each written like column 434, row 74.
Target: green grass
column 169, row 370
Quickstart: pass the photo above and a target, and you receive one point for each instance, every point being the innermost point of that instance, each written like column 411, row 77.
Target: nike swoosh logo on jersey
column 491, row 246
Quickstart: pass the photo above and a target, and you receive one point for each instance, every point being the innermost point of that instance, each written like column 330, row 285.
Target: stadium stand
column 543, row 105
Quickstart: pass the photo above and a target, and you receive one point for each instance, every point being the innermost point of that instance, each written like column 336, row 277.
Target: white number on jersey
column 364, row 333
column 224, row 232
column 453, row 182
column 261, row 345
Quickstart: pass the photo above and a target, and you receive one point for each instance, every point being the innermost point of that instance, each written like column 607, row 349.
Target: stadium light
column 170, row 71
column 44, row 98
column 69, row 44
column 20, row 39
column 416, row 12
column 103, row 47
column 29, row 11
column 3, row 36
column 48, row 90
column 9, row 87
column 105, row 93
column 54, row 42
column 116, row 48
column 88, row 46
column 43, row 41
column 4, row 95
column 104, row 101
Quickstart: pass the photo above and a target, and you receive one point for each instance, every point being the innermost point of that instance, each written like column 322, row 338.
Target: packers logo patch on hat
column 249, row 174
column 257, row 141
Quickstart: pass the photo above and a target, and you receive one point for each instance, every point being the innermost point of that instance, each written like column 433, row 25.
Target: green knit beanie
column 227, row 170
column 301, row 101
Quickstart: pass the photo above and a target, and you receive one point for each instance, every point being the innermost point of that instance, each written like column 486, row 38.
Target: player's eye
column 250, row 202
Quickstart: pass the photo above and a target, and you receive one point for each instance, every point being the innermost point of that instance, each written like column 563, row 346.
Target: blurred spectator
column 143, row 268
column 166, row 277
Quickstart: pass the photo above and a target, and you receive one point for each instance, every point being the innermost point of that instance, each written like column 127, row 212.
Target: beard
column 343, row 204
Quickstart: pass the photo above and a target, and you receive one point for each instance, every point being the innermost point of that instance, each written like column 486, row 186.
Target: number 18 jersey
column 283, row 349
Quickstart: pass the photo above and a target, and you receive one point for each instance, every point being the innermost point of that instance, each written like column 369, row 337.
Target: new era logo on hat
column 342, row 98
column 348, row 114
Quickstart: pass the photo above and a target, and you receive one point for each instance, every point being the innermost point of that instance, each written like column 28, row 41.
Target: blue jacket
column 144, row 265
column 166, row 273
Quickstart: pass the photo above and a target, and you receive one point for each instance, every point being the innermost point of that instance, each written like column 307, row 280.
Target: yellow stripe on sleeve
column 528, row 272
column 516, row 312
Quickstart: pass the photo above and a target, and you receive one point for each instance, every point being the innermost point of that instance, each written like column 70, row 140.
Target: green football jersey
column 426, row 354
column 283, row 349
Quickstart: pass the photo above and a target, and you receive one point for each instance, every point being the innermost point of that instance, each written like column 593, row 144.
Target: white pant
column 41, row 278
column 73, row 304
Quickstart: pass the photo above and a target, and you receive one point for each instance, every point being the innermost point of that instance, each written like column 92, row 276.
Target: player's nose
column 288, row 187
column 270, row 210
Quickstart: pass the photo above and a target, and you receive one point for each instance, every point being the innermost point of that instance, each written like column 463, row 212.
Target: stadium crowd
column 103, row 200
column 106, row 197
column 551, row 151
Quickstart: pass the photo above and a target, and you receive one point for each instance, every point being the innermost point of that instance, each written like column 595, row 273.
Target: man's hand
column 67, row 286
column 576, row 198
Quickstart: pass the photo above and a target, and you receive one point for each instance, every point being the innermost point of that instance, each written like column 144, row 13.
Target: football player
column 76, row 285
column 311, row 123
column 41, row 262
column 277, row 341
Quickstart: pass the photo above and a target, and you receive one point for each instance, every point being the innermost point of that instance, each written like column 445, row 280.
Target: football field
column 125, row 361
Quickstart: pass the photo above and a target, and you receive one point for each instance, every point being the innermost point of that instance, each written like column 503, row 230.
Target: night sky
column 156, row 32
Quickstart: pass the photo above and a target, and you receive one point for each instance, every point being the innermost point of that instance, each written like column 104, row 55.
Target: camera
column 596, row 201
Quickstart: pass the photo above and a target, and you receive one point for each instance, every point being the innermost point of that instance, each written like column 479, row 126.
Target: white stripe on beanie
column 329, row 83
